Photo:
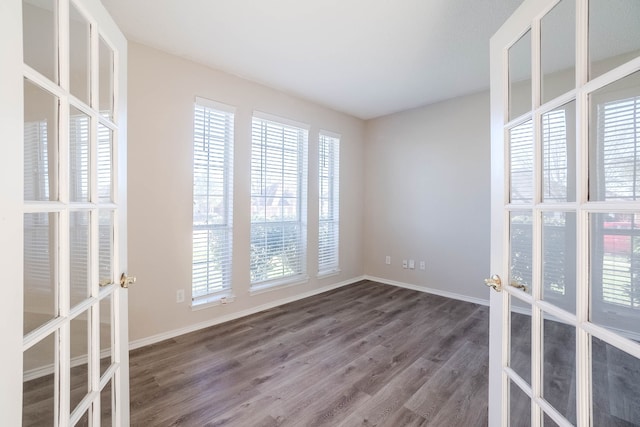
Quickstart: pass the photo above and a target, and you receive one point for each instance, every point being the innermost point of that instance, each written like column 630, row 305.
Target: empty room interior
column 310, row 214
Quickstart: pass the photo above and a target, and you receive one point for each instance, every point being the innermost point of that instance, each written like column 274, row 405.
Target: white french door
column 565, row 130
column 63, row 178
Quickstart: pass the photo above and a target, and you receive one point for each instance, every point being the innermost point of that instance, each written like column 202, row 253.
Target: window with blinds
column 521, row 162
column 212, row 200
column 617, row 240
column 278, row 202
column 555, row 156
column 329, row 203
column 619, row 158
column 38, row 267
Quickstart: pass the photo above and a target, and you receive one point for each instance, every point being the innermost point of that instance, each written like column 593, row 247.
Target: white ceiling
column 367, row 58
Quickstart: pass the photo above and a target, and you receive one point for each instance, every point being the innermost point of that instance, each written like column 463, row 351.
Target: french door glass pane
column 520, row 76
column 79, row 54
column 84, row 420
column 80, row 247
column 548, row 422
column 520, row 353
column 38, row 391
column 105, row 246
column 521, row 246
column 614, row 34
column 105, row 405
column 519, row 407
column 40, row 143
column 40, row 269
column 557, row 50
column 105, row 58
column 614, row 141
column 615, row 271
column 559, row 259
column 521, row 163
column 558, row 154
column 79, row 375
column 616, row 386
column 79, row 128
column 105, row 163
column 39, row 37
column 105, row 333
column 559, row 367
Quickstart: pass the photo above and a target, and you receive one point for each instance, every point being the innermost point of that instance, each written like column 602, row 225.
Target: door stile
column 120, row 299
column 583, row 343
column 11, row 199
column 498, row 382
column 536, row 291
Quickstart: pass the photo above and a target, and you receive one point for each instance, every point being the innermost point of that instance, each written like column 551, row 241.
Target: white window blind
column 521, row 160
column 619, row 136
column 79, row 124
column 36, row 161
column 212, row 200
column 278, row 202
column 329, row 216
column 555, row 160
column 616, row 254
column 38, row 260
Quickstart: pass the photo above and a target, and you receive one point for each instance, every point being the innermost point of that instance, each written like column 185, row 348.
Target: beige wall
column 162, row 90
column 427, row 189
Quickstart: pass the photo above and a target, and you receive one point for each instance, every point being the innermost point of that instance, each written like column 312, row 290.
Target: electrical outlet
column 404, row 263
column 387, row 260
column 412, row 264
column 180, row 296
column 423, row 265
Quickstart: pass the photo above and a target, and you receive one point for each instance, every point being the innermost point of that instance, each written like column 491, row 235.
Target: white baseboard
column 233, row 316
column 428, row 290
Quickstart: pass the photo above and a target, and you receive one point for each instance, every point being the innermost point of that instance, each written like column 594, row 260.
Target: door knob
column 125, row 280
column 494, row 282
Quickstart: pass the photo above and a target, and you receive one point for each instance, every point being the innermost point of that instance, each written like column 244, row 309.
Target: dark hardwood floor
column 364, row 355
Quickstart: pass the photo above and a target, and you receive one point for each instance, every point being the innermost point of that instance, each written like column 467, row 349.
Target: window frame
column 222, row 292
column 259, row 147
column 329, row 141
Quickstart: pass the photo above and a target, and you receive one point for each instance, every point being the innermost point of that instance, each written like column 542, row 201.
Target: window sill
column 328, row 273
column 212, row 300
column 278, row 284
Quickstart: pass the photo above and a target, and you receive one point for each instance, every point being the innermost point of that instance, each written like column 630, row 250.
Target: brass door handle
column 125, row 280
column 518, row 285
column 494, row 282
